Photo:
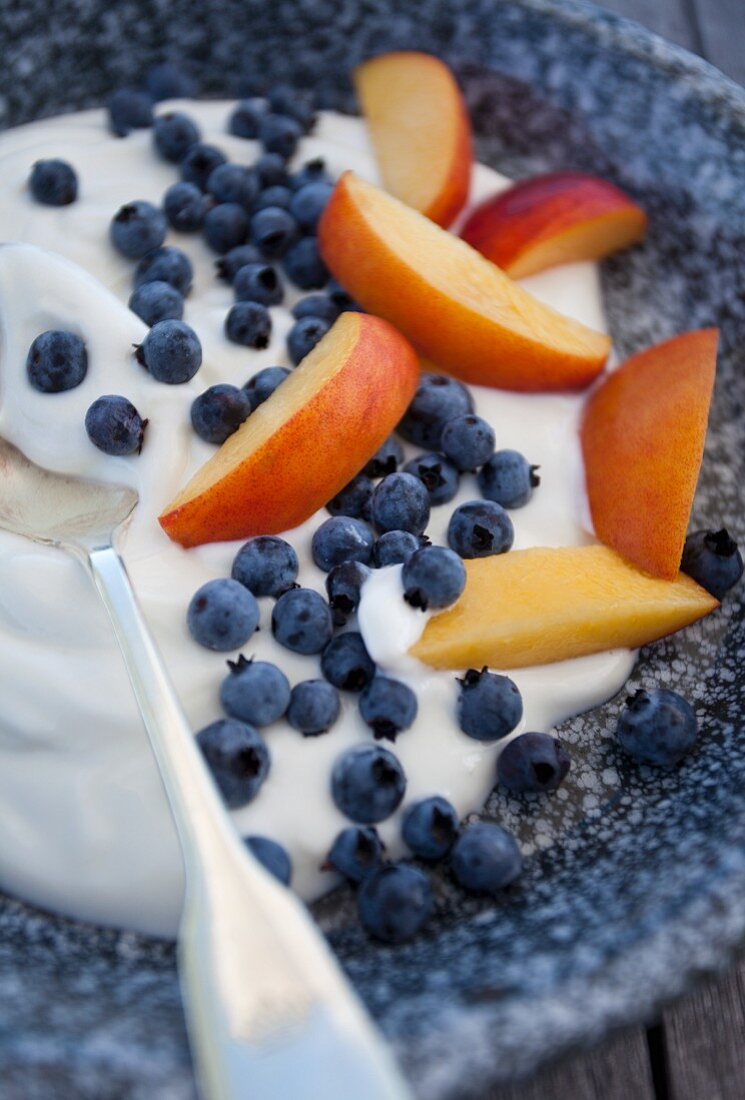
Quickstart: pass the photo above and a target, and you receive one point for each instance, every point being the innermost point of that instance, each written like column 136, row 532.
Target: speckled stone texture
column 636, row 881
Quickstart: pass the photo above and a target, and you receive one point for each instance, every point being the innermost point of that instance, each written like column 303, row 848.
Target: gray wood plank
column 669, row 18
column 617, row 1070
column 721, row 27
column 705, row 1042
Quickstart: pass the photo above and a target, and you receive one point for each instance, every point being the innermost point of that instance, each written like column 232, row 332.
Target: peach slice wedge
column 643, row 436
column 298, row 449
column 420, row 131
column 533, row 607
column 553, row 219
column 459, row 310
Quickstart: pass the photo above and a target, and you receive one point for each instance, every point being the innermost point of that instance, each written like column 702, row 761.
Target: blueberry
column 430, row 827
column 313, row 171
column 303, row 337
column 387, row 706
column 237, row 757
column 314, row 707
column 294, row 104
column 219, row 411
column 136, row 228
column 346, row 663
column 174, row 133
column 308, row 203
column 489, row 705
column 222, row 615
column 272, row 196
column 341, row 538
column 316, row 305
column 394, row 902
column 713, row 560
column 168, row 81
column 245, row 120
column 433, row 577
column 272, row 856
column 264, row 383
column 353, row 500
column 437, row 400
column 266, row 565
column 114, row 426
column 271, row 170
column 485, row 858
column 657, row 727
column 304, row 266
column 508, row 479
column 367, row 784
column 250, row 324
column 533, row 762
column 400, row 503
column 437, row 473
column 53, row 182
column 130, row 110
column 258, row 283
column 153, row 302
column 273, row 230
column 468, row 441
column 171, row 352
column 200, row 162
column 279, row 134
column 185, row 207
column 344, row 587
column 257, row 692
column 225, row 226
column 301, row 621
column 56, row 361
column 480, row 528
column 233, row 183
column 356, row 852
column 166, row 265
column 229, row 265
column 386, row 459
column 395, row 548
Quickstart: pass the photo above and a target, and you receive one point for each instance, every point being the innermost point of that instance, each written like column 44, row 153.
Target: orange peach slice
column 643, row 440
column 299, row 448
column 554, row 219
column 533, row 607
column 420, row 131
column 458, row 309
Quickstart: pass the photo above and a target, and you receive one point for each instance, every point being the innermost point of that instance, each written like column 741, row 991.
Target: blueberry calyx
column 720, row 543
column 535, row 480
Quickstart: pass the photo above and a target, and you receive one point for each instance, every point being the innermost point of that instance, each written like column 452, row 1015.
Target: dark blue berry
column 266, row 565
column 153, row 302
column 303, row 337
column 395, row 548
column 222, row 615
column 168, row 81
column 308, row 203
column 258, row 283
column 273, row 230
column 185, row 207
column 174, row 133
column 508, row 479
column 434, row 577
column 250, row 324
column 171, row 352
column 468, row 441
column 356, row 852
column 314, row 707
column 295, row 104
column 437, row 400
column 53, row 182
column 200, row 162
column 264, row 383
column 233, row 183
column 272, row 196
column 344, row 587
column 354, row 499
column 489, row 705
column 114, row 426
column 480, row 528
column 301, row 621
column 245, row 120
column 316, row 305
column 394, row 903
column 657, row 727
column 430, row 827
column 166, row 265
column 387, row 706
column 341, row 538
column 713, row 560
column 485, row 858
column 400, row 503
column 219, row 411
column 313, row 171
column 386, row 459
column 237, row 757
column 279, row 134
column 56, row 361
column 130, row 110
column 271, row 170
column 254, row 691
column 303, row 265
column 531, row 763
column 136, row 228
column 367, row 784
column 225, row 226
column 229, row 265
column 438, row 475
column 346, row 663
column 272, row 856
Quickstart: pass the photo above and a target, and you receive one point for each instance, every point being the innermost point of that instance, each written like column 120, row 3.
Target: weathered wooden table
column 696, row 1051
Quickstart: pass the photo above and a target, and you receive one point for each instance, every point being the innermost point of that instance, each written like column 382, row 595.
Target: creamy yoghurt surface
column 84, row 825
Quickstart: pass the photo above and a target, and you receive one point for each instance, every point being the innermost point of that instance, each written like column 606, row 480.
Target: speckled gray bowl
column 636, row 881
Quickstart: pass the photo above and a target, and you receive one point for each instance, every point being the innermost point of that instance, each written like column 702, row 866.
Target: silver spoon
column 269, row 1013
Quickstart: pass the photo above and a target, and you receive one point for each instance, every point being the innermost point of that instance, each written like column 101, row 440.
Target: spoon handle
column 269, row 1011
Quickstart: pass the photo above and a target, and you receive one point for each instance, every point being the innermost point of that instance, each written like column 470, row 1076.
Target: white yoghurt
column 84, row 825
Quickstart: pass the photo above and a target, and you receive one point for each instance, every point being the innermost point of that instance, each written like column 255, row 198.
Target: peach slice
column 458, row 309
column 643, row 440
column 299, row 448
column 533, row 607
column 420, row 131
column 553, row 219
